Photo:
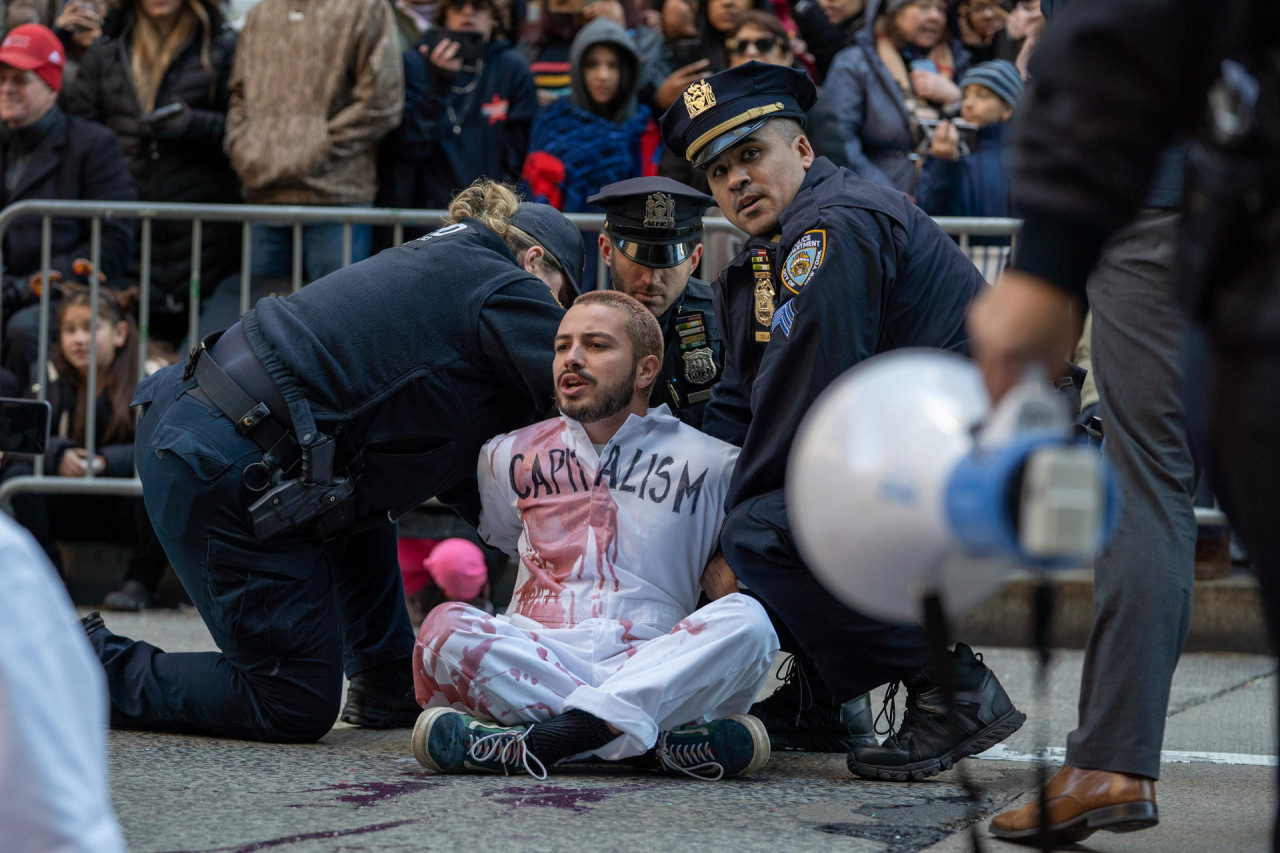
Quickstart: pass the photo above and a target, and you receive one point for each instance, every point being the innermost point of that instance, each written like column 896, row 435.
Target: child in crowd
column 452, row 570
column 590, row 138
column 973, row 180
column 113, row 341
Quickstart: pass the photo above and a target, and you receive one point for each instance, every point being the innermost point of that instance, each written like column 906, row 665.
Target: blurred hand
column 73, row 463
column 84, row 23
column 610, row 9
column 172, row 125
column 946, row 141
column 651, row 19
column 934, row 87
column 445, row 58
column 1021, row 321
column 680, row 80
column 718, row 580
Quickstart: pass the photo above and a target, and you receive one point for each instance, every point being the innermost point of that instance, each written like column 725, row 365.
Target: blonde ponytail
column 490, row 202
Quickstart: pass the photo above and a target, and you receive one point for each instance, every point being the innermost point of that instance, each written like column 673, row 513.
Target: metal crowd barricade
column 247, row 216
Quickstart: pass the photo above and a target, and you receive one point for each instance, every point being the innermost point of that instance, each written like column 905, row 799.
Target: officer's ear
column 695, row 256
column 805, row 149
column 529, row 260
column 606, row 248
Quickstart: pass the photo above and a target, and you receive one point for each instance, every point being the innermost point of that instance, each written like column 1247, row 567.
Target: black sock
column 568, row 734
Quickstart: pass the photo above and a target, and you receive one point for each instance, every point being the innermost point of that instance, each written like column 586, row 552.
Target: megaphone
column 904, row 482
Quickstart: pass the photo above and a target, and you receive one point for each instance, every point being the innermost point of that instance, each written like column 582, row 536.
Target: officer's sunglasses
column 763, row 45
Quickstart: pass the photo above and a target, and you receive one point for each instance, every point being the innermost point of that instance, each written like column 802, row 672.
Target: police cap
column 655, row 222
column 716, row 112
column 560, row 237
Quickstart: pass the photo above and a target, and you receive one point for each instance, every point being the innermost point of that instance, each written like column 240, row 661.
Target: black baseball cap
column 656, row 222
column 560, row 237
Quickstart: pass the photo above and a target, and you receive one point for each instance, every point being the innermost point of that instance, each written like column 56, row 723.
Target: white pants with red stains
column 639, row 679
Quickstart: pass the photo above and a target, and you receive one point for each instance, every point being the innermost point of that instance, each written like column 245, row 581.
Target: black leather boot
column 803, row 714
column 933, row 737
column 381, row 697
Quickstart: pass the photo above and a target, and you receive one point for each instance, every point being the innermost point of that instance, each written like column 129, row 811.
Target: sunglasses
column 763, row 45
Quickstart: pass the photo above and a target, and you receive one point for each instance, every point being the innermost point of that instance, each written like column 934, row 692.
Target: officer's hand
column 680, row 80
column 1019, row 322
column 718, row 580
column 934, row 87
column 444, row 57
column 946, row 141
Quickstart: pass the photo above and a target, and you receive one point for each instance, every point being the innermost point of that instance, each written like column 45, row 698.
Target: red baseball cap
column 33, row 47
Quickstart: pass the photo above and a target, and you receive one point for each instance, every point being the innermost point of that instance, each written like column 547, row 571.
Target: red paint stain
column 687, row 624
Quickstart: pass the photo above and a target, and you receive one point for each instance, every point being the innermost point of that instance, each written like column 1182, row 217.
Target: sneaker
column 131, row 597
column 449, row 741
column 730, row 746
column 381, row 697
column 803, row 714
column 930, row 739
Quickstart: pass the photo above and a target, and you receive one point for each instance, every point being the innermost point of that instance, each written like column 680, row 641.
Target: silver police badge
column 699, row 366
column 659, row 211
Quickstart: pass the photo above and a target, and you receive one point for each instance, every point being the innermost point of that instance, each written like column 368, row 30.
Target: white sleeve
column 500, row 523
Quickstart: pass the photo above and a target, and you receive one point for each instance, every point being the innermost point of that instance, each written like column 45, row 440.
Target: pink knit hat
column 458, row 568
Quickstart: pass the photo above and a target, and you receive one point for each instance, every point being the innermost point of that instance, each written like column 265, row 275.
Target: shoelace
column 508, row 749
column 789, row 669
column 690, row 759
column 888, row 711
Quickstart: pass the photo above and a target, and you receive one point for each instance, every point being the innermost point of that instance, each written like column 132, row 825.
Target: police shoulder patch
column 805, row 258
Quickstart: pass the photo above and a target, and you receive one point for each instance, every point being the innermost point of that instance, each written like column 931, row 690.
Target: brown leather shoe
column 1080, row 802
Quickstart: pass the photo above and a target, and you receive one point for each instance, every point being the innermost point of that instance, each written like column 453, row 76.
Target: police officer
column 275, row 463
column 837, row 269
column 652, row 242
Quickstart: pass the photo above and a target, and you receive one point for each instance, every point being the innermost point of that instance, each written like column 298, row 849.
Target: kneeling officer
column 275, row 464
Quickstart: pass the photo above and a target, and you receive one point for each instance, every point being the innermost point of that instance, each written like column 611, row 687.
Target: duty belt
column 252, row 418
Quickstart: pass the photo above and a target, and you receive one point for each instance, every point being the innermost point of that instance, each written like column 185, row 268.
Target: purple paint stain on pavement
column 550, row 796
column 370, row 792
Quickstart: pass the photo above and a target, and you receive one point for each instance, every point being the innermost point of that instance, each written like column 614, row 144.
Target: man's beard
column 609, row 400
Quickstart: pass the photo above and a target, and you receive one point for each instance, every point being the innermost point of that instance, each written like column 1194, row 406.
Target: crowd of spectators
column 401, row 103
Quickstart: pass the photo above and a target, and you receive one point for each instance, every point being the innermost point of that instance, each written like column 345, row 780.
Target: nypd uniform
column 855, row 269
column 604, row 619
column 657, row 222
column 397, row 369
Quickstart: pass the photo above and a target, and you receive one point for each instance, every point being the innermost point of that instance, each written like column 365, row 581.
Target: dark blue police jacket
column 694, row 355
column 411, row 360
column 856, row 270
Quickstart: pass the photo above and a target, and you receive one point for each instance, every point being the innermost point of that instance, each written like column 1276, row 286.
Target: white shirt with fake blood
column 621, row 534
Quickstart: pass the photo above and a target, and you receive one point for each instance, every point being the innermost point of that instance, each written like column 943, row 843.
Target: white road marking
column 1000, row 752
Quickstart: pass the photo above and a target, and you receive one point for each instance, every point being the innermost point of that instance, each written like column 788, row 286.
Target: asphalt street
column 362, row 790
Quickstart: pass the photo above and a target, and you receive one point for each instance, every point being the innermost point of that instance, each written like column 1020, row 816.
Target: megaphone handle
column 937, row 633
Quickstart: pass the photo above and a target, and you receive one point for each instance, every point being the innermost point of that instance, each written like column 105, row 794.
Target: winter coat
column 573, row 152
column 191, row 168
column 869, row 114
column 975, row 185
column 316, row 86
column 436, row 152
column 75, row 159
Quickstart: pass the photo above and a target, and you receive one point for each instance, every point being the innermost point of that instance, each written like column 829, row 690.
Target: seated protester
column 613, row 510
column 46, row 154
column 465, row 117
column 113, row 342
column 591, row 137
column 975, row 181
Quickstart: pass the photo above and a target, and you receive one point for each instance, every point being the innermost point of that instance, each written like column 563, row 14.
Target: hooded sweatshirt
column 574, row 150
